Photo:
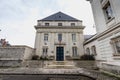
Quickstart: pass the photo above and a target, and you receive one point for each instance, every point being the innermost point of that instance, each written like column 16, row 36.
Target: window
column 93, row 48
column 72, row 24
column 74, row 50
column 116, row 45
column 45, row 51
column 46, row 24
column 59, row 37
column 108, row 11
column 59, row 24
column 74, row 37
column 45, row 37
column 88, row 51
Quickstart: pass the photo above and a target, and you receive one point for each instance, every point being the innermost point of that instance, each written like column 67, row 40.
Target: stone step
column 60, row 64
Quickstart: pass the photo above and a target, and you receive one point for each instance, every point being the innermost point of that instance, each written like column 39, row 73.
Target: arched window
column 88, row 51
column 93, row 48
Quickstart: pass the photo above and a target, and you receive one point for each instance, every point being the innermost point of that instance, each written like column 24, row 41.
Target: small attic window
column 59, row 24
column 72, row 24
column 46, row 24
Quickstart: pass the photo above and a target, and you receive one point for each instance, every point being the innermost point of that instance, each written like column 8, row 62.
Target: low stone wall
column 14, row 55
column 79, row 64
column 115, row 69
column 85, row 64
column 33, row 64
column 10, row 63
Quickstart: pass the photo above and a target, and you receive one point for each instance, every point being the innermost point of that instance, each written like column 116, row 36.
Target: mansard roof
column 59, row 17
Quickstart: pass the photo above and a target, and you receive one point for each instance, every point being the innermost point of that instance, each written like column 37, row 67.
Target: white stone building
column 106, row 43
column 59, row 36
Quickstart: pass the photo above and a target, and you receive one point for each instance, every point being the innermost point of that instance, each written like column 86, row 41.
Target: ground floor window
column 74, row 50
column 88, row 51
column 116, row 44
column 93, row 48
column 45, row 51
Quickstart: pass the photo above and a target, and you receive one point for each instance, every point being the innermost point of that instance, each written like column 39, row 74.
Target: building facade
column 59, row 36
column 105, row 45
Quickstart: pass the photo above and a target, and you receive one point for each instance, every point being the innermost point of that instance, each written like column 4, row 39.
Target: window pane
column 88, row 51
column 73, row 37
column 45, row 37
column 72, row 24
column 59, row 24
column 117, row 44
column 108, row 11
column 59, row 37
column 74, row 50
column 45, row 51
column 46, row 24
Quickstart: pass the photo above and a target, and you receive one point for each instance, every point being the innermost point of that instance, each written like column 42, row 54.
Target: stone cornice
column 59, row 30
column 59, row 27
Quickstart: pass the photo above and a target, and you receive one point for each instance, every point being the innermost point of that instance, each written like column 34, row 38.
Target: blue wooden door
column 59, row 54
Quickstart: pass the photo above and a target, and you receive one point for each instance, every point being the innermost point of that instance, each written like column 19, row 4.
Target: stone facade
column 53, row 30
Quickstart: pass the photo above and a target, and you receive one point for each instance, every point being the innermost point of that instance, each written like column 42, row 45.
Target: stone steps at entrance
column 60, row 65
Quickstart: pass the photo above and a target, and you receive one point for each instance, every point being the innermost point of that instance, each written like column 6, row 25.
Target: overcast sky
column 18, row 17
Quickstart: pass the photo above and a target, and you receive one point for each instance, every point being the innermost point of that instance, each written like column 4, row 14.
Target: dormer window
column 46, row 24
column 72, row 24
column 59, row 24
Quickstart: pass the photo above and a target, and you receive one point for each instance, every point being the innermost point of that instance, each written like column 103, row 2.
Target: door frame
column 63, row 53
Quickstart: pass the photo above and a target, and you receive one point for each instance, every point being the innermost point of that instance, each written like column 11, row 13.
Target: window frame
column 59, row 37
column 108, row 11
column 74, row 51
column 47, row 24
column 60, row 24
column 45, row 51
column 114, row 46
column 72, row 24
column 46, row 37
column 73, row 37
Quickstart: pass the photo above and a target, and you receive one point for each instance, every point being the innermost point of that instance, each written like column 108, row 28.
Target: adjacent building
column 105, row 45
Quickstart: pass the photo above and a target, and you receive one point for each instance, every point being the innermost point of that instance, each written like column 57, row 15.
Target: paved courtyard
column 51, row 74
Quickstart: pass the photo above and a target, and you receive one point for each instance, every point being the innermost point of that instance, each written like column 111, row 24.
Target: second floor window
column 45, row 37
column 108, row 11
column 74, row 37
column 59, row 37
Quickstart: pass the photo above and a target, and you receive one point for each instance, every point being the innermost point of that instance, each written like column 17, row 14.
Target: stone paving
column 43, row 71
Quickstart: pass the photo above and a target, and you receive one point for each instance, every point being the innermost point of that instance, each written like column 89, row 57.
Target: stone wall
column 85, row 64
column 79, row 64
column 33, row 64
column 14, row 55
column 10, row 63
column 111, row 67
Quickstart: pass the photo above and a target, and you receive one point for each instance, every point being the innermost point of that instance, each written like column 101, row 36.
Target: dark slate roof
column 59, row 17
